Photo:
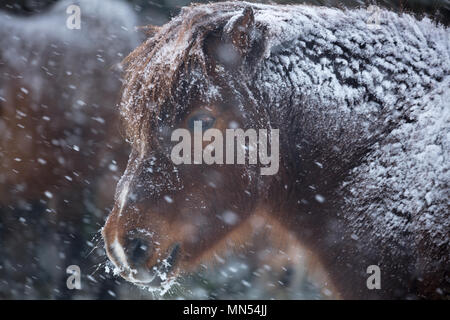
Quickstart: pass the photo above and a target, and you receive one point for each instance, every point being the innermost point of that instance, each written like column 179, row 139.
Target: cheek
column 191, row 233
column 214, row 178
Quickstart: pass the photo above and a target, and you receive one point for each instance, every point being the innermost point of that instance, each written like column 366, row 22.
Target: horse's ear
column 239, row 30
column 239, row 42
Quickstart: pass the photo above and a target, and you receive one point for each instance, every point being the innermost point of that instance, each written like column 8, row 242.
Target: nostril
column 137, row 251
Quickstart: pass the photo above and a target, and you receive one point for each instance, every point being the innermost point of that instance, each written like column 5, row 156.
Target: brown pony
column 360, row 112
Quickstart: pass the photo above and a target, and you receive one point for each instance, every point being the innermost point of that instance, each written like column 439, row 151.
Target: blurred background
column 62, row 152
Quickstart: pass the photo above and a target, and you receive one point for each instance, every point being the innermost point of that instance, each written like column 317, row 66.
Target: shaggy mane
column 154, row 70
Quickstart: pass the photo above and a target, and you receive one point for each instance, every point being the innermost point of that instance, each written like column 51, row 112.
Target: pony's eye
column 206, row 119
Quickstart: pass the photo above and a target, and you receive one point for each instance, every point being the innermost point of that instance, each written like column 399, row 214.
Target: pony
column 363, row 119
column 60, row 151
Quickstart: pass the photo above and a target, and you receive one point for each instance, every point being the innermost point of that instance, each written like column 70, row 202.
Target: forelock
column 173, row 58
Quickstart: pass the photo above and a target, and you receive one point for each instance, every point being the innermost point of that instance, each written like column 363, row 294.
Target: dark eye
column 206, row 119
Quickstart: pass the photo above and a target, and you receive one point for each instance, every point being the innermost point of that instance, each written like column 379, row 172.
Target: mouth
column 159, row 274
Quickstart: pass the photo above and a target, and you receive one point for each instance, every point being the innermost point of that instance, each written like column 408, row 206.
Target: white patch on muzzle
column 119, row 254
column 123, row 196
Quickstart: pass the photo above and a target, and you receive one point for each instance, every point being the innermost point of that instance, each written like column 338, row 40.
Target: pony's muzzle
column 137, row 251
column 136, row 259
